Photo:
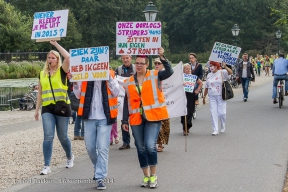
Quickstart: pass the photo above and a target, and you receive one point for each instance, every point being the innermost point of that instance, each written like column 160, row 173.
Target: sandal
column 160, row 148
column 116, row 141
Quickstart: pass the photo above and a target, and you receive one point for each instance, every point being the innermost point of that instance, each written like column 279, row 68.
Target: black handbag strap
column 52, row 88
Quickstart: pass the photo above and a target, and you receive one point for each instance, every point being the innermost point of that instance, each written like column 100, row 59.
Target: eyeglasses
column 157, row 63
column 142, row 64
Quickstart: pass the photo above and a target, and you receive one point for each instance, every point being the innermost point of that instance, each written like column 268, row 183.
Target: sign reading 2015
column 50, row 24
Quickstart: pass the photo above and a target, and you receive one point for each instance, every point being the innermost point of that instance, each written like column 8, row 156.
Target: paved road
column 250, row 156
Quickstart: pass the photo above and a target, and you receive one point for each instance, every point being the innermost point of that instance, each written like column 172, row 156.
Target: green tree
column 14, row 29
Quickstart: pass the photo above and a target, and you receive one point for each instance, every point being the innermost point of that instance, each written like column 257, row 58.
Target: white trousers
column 218, row 110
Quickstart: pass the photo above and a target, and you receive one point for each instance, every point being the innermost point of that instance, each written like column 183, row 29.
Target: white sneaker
column 215, row 133
column 222, row 130
column 45, row 170
column 70, row 162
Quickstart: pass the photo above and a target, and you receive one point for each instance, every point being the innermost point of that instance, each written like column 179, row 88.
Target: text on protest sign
column 189, row 82
column 138, row 38
column 222, row 52
column 89, row 64
column 50, row 24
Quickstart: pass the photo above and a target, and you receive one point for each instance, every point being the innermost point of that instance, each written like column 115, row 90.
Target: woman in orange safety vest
column 145, row 106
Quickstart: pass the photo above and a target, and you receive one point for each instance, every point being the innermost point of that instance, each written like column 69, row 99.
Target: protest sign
column 89, row 64
column 222, row 52
column 50, row 25
column 174, row 93
column 189, row 82
column 138, row 38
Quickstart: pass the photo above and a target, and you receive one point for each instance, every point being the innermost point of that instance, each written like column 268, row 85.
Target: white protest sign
column 89, row 64
column 49, row 25
column 189, row 82
column 121, row 96
column 222, row 52
column 138, row 38
column 174, row 93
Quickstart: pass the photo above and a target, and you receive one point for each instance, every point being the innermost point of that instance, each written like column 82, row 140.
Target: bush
column 24, row 69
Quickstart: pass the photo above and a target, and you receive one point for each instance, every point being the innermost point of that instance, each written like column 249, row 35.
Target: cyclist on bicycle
column 279, row 71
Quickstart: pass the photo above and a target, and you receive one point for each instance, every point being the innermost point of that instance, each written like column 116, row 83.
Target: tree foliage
column 188, row 25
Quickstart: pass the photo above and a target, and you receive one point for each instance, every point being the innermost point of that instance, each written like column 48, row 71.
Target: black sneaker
column 245, row 99
column 275, row 101
column 101, row 184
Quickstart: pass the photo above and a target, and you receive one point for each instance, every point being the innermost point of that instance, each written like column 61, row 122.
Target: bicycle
column 28, row 102
column 280, row 93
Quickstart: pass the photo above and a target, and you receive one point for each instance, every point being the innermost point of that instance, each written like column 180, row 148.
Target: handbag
column 61, row 106
column 227, row 91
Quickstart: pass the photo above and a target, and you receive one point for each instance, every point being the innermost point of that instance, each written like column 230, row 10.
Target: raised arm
column 164, row 74
column 64, row 53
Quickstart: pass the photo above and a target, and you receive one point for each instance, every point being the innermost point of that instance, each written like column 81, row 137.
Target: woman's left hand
column 53, row 42
column 161, row 53
column 196, row 91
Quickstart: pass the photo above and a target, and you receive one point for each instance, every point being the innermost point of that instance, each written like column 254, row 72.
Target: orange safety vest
column 112, row 101
column 153, row 101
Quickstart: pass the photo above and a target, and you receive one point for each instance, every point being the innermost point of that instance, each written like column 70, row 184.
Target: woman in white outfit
column 213, row 88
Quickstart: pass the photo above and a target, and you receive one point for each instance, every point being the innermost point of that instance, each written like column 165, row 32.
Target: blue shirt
column 280, row 66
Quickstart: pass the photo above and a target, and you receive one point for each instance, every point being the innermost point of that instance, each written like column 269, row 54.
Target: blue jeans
column 97, row 141
column 79, row 126
column 145, row 136
column 49, row 122
column 245, row 84
column 125, row 137
column 73, row 115
column 275, row 82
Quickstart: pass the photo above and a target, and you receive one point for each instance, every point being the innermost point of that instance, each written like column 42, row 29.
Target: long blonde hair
column 46, row 66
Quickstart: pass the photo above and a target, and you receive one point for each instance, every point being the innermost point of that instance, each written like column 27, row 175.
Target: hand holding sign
column 53, row 42
column 161, row 53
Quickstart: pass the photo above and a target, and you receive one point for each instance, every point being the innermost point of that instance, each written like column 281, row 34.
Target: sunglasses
column 157, row 63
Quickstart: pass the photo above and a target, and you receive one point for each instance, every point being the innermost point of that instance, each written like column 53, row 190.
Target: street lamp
column 150, row 13
column 278, row 36
column 235, row 32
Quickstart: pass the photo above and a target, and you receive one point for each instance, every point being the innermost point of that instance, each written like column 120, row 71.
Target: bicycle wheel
column 280, row 97
column 30, row 104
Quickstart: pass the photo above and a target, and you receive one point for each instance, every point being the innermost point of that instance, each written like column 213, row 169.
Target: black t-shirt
column 50, row 108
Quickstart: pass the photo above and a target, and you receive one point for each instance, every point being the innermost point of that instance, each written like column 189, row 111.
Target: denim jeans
column 125, row 137
column 73, row 115
column 245, row 85
column 97, row 141
column 275, row 82
column 49, row 122
column 145, row 136
column 79, row 126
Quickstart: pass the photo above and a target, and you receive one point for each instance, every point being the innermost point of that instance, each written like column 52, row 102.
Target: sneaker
column 153, row 181
column 145, row 181
column 45, row 170
column 275, row 101
column 101, row 184
column 245, row 99
column 222, row 130
column 215, row 133
column 70, row 162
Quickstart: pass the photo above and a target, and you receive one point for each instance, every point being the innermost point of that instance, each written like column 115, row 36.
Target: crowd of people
column 145, row 113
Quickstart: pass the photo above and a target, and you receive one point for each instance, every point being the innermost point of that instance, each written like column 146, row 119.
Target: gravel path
column 21, row 143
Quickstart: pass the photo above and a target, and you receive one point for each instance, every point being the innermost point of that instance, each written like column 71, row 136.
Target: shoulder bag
column 227, row 91
column 61, row 106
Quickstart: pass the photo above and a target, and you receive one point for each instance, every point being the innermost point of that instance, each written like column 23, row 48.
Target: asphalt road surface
column 250, row 156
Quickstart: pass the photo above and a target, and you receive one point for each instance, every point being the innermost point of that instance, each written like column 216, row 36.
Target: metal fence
column 35, row 56
column 9, row 97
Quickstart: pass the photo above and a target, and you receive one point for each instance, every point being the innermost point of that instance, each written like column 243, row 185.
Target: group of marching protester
column 144, row 108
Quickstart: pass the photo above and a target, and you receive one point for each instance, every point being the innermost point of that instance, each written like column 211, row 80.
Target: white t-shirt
column 214, row 82
column 244, row 70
